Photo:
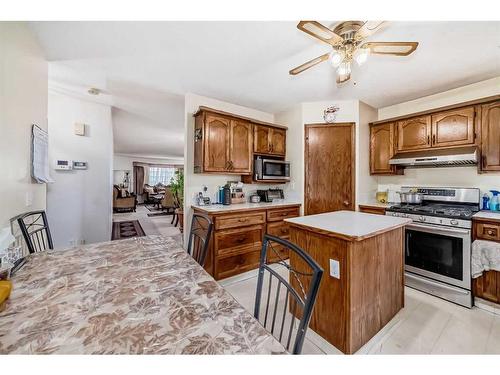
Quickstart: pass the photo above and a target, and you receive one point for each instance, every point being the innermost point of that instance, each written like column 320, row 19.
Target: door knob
column 346, row 203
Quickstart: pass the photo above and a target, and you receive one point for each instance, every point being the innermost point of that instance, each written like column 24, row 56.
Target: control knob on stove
column 421, row 218
column 454, row 222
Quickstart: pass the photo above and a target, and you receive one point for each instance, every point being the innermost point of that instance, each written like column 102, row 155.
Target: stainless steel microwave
column 271, row 169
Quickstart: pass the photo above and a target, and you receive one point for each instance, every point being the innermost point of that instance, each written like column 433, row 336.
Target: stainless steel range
column 438, row 242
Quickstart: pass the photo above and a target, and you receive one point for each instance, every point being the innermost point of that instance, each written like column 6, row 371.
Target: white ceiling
column 149, row 66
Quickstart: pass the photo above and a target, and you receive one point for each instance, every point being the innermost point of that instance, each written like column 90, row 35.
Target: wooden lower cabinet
column 487, row 286
column 236, row 242
column 371, row 209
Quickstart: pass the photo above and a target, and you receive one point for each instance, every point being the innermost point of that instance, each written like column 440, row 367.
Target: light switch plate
column 79, row 128
column 335, row 268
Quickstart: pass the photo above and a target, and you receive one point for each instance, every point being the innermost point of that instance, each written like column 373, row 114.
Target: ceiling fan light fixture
column 361, row 55
column 344, row 68
column 336, row 57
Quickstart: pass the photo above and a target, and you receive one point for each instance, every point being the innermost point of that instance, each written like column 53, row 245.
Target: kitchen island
column 363, row 284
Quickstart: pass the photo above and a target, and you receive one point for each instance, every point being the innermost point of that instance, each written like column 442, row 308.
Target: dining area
column 146, row 295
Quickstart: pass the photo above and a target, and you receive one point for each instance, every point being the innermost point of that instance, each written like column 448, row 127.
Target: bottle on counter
column 494, row 202
column 226, row 195
column 486, row 202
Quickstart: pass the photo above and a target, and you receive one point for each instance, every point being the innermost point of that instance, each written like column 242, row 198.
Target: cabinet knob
column 243, row 220
column 490, row 232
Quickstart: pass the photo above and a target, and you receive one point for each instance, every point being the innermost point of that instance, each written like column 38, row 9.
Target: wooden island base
column 351, row 309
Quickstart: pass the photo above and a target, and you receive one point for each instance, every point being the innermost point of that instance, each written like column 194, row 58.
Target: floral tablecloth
column 142, row 295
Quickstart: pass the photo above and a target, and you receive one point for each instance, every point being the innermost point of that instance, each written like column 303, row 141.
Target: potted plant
column 177, row 187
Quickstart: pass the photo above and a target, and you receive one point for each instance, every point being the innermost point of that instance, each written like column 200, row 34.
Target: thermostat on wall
column 79, row 165
column 64, row 165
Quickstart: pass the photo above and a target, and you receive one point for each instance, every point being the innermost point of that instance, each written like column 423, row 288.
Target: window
column 163, row 175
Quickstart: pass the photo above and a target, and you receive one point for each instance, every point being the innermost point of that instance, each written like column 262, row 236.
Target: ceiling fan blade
column 368, row 28
column 320, row 32
column 391, row 48
column 309, row 64
column 343, row 78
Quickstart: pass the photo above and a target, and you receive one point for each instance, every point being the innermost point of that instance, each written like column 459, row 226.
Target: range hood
column 457, row 156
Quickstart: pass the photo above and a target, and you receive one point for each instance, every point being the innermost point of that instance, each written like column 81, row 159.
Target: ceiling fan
column 348, row 43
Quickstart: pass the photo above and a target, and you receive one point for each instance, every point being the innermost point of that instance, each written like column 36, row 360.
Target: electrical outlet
column 335, row 268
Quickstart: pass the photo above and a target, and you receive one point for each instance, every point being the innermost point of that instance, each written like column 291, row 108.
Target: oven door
column 275, row 170
column 440, row 253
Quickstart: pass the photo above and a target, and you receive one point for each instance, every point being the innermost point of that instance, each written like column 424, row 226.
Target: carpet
column 162, row 213
column 126, row 229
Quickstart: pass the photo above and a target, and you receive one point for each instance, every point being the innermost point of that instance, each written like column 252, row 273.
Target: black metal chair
column 35, row 229
column 199, row 238
column 299, row 293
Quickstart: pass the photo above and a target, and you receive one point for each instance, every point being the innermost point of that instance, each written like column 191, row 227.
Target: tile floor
column 426, row 325
column 151, row 225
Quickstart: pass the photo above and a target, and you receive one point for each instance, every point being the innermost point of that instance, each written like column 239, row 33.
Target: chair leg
column 177, row 221
column 173, row 218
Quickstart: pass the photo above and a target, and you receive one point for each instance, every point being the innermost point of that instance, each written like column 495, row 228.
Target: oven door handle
column 440, row 230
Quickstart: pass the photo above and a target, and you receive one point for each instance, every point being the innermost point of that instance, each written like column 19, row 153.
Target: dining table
column 143, row 295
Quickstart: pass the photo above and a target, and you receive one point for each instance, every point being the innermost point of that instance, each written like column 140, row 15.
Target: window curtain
column 139, row 179
column 161, row 175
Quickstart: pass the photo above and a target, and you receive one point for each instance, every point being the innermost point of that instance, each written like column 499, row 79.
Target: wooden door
column 240, row 147
column 453, row 128
column 414, row 134
column 217, row 134
column 261, row 142
column 490, row 134
column 278, row 141
column 382, row 148
column 329, row 168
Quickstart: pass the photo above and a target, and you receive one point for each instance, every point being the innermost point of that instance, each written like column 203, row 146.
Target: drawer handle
column 284, row 214
column 241, row 239
column 283, row 230
column 243, row 220
column 490, row 232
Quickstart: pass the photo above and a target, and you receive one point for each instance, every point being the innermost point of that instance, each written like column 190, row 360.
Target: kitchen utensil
column 254, row 199
column 411, row 198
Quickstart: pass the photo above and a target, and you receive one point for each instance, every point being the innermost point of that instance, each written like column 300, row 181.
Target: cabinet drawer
column 233, row 265
column 488, row 231
column 279, row 229
column 239, row 220
column 239, row 240
column 282, row 213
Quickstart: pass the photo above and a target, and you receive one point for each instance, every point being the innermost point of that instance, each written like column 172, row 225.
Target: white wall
column 454, row 177
column 23, row 102
column 79, row 203
column 194, row 182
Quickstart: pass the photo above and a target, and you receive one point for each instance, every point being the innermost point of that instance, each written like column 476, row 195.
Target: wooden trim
column 353, row 161
column 434, row 110
column 218, row 112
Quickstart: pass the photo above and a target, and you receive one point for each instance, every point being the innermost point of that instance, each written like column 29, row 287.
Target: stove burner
column 436, row 209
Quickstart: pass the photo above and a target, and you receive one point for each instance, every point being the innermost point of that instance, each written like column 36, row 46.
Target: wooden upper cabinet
column 490, row 134
column 382, row 148
column 261, row 142
column 269, row 140
column 217, row 137
column 453, row 128
column 278, row 141
column 414, row 134
column 240, row 147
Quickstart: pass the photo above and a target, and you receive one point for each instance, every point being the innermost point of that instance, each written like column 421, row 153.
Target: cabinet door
column 278, row 141
column 261, row 141
column 453, row 128
column 240, row 147
column 414, row 133
column 490, row 134
column 217, row 134
column 381, row 148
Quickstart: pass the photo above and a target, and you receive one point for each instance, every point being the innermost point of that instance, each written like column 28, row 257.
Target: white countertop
column 494, row 215
column 356, row 225
column 213, row 208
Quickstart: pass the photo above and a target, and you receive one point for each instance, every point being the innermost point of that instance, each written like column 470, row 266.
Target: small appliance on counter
column 381, row 196
column 237, row 194
column 270, row 194
column 254, row 198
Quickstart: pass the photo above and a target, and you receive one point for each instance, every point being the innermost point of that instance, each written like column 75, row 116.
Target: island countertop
column 350, row 225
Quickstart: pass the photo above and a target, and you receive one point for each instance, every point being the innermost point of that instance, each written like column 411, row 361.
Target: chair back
column 168, row 198
column 199, row 238
column 35, row 229
column 285, row 296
